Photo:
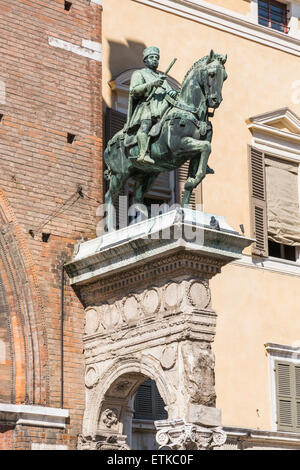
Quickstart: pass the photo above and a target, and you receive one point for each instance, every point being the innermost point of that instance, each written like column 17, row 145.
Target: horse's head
column 213, row 74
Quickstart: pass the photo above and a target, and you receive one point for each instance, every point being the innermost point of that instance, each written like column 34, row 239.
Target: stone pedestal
column 149, row 315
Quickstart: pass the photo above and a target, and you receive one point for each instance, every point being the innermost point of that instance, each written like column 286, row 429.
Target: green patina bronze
column 165, row 128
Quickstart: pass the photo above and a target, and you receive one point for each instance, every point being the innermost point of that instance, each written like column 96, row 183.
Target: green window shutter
column 114, row 122
column 148, row 403
column 159, row 406
column 143, row 401
column 259, row 220
column 297, row 385
column 288, row 396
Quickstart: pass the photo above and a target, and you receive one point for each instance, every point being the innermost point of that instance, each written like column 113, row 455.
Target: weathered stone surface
column 152, row 320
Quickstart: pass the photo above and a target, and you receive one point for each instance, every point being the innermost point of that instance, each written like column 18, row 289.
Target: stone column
column 149, row 314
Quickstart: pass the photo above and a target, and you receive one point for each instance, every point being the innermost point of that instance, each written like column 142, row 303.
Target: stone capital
column 177, row 434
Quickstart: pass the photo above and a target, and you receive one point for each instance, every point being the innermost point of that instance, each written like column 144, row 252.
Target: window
column 284, row 363
column 273, row 14
column 275, row 205
column 148, row 403
column 287, row 396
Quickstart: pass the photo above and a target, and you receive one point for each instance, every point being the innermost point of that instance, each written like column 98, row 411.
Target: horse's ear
column 223, row 59
column 211, row 56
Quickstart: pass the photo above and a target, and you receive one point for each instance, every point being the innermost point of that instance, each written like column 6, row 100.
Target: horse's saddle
column 131, row 140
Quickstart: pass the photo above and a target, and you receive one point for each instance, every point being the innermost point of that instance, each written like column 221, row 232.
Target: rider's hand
column 159, row 81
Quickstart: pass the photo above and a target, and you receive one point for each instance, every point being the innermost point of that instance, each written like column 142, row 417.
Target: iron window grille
column 273, row 14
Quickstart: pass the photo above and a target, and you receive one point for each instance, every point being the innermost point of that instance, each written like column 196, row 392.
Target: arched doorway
column 114, row 417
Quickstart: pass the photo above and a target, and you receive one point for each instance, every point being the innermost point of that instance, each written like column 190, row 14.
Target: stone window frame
column 274, row 142
column 279, row 352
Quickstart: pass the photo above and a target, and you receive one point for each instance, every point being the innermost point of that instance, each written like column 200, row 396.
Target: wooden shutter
column 159, row 406
column 181, row 177
column 288, row 396
column 114, row 122
column 259, row 222
column 148, row 403
column 143, row 401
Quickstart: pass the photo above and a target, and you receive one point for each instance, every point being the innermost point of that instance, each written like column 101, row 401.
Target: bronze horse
column 185, row 134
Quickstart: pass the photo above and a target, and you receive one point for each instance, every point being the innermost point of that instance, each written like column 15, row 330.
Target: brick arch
column 24, row 311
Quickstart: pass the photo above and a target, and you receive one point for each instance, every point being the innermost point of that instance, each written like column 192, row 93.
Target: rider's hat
column 150, row 50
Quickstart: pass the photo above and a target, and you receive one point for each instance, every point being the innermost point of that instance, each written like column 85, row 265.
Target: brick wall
column 47, row 95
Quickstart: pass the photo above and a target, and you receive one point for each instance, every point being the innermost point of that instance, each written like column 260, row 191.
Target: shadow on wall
column 123, row 57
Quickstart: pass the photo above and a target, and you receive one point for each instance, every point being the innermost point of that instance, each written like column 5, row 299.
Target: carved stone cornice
column 160, row 246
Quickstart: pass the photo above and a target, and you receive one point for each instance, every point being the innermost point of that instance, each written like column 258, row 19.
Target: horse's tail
column 115, row 156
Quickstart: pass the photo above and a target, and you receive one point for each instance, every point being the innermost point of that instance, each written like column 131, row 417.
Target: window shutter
column 148, row 403
column 159, row 406
column 143, row 401
column 297, row 385
column 181, row 177
column 288, row 396
column 258, row 201
column 114, row 122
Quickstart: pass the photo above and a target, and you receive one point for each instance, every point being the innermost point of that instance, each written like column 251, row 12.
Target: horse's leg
column 193, row 166
column 143, row 184
column 202, row 148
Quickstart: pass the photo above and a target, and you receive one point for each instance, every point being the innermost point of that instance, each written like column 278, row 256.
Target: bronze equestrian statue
column 164, row 128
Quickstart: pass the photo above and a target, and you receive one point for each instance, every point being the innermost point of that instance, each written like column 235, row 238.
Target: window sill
column 291, row 268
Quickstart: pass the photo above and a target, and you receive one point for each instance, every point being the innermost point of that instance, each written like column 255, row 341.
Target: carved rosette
column 179, row 435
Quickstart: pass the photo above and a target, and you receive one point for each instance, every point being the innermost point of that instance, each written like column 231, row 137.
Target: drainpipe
column 62, row 298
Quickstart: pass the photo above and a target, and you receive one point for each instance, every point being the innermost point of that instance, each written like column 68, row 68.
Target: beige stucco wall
column 238, row 6
column 255, row 306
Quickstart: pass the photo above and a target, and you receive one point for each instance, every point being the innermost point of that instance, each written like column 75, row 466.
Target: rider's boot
column 209, row 171
column 143, row 142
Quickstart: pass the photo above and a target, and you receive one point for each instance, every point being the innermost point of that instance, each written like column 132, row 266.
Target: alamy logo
column 160, row 221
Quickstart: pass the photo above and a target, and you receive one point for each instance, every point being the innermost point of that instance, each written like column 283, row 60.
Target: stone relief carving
column 198, row 294
column 92, row 320
column 151, row 304
column 151, row 301
column 169, row 356
column 199, row 373
column 102, row 442
column 91, row 376
column 172, row 294
column 109, row 417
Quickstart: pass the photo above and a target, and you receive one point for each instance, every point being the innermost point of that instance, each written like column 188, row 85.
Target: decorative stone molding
column 32, row 415
column 102, row 442
column 179, row 435
column 91, row 376
column 199, row 294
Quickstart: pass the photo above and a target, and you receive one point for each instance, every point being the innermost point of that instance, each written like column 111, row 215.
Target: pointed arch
column 22, row 306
